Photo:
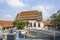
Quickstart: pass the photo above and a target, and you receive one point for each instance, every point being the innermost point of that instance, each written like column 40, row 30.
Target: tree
column 20, row 24
column 55, row 19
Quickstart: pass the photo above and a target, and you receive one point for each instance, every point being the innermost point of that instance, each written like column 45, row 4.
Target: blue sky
column 10, row 8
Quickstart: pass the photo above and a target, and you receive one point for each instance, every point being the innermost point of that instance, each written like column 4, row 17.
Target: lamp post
column 54, row 36
column 29, row 29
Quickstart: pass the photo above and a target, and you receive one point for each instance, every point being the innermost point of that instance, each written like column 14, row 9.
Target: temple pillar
column 32, row 24
column 41, row 25
column 36, row 24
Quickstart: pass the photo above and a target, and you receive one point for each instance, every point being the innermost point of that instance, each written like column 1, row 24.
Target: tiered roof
column 30, row 15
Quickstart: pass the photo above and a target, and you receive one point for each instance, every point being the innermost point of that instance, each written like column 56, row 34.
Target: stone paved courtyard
column 43, row 34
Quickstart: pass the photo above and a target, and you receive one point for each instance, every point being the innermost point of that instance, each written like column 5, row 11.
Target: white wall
column 32, row 20
column 41, row 25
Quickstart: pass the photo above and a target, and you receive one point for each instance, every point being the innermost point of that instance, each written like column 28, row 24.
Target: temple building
column 34, row 18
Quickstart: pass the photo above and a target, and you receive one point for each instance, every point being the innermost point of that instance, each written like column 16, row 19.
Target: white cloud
column 15, row 3
column 45, row 10
column 5, row 15
column 8, row 16
column 2, row 11
column 49, row 7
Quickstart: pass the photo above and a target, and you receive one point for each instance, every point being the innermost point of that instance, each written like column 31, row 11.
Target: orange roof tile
column 5, row 24
column 47, row 23
column 30, row 15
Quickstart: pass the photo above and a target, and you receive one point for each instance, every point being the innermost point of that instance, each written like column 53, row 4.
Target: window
column 38, row 24
column 34, row 24
column 30, row 24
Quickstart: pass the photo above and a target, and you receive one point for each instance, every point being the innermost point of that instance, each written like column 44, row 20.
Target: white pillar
column 41, row 25
column 32, row 24
column 5, row 37
column 36, row 24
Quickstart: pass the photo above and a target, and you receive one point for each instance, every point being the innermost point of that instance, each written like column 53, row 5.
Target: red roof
column 47, row 23
column 30, row 15
column 5, row 24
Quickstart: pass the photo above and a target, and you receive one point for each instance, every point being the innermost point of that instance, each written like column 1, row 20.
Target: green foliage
column 55, row 19
column 20, row 24
column 27, row 23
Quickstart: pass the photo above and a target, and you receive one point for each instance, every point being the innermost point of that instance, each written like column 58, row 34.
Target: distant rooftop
column 5, row 24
